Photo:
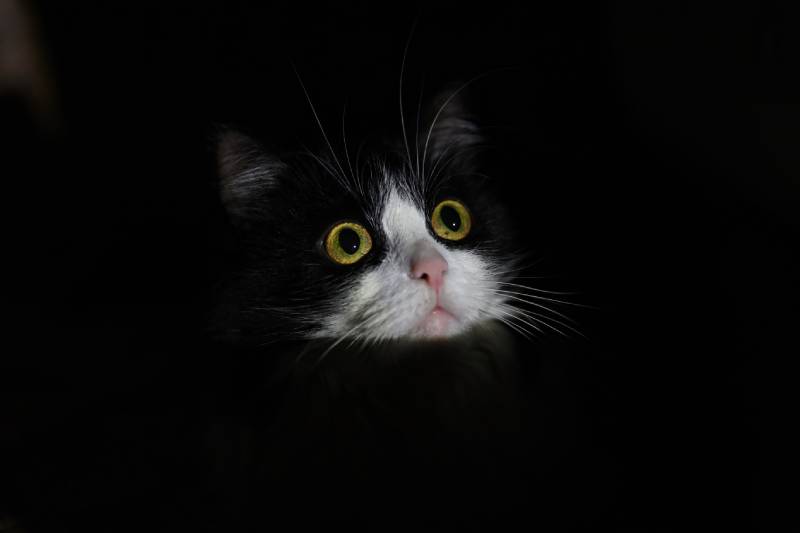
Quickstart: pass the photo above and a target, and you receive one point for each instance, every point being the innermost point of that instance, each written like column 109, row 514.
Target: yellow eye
column 347, row 243
column 451, row 220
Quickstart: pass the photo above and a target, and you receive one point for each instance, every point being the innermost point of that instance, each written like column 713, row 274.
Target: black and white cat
column 388, row 286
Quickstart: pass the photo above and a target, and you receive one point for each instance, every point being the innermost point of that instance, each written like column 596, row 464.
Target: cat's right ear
column 247, row 174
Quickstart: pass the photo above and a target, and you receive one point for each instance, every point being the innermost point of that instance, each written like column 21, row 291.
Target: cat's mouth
column 439, row 322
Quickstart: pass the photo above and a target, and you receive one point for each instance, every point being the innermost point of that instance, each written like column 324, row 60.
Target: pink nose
column 430, row 266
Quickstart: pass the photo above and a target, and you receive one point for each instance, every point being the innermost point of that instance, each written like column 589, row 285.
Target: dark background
column 650, row 158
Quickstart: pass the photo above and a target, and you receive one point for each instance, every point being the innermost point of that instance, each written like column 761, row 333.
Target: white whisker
column 535, row 289
column 523, row 296
column 402, row 113
column 347, row 154
column 319, row 123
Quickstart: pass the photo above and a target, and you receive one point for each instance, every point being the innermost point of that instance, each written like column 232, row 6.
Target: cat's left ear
column 453, row 132
column 248, row 173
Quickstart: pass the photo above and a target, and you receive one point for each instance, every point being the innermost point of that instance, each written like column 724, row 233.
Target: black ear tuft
column 452, row 129
column 247, row 172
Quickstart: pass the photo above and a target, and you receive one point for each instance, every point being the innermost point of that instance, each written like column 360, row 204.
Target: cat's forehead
column 402, row 218
column 393, row 201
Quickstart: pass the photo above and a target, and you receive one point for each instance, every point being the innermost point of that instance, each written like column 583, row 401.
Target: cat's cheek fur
column 468, row 290
column 383, row 304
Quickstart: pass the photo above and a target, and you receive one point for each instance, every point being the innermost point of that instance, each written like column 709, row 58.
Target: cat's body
column 434, row 434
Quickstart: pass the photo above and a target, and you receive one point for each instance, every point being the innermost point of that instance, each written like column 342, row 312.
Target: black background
column 651, row 159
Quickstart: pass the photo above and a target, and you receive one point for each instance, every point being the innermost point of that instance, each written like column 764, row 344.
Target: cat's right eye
column 347, row 242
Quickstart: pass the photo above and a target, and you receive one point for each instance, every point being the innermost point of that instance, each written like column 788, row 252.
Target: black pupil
column 450, row 218
column 349, row 241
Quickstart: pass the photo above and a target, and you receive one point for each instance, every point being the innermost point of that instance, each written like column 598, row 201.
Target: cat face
column 409, row 245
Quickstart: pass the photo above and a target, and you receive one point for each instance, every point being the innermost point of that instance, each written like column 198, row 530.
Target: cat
column 386, row 289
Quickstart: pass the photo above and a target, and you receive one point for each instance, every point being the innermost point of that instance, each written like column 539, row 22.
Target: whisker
column 525, row 333
column 448, row 158
column 402, row 112
column 335, row 344
column 535, row 289
column 416, row 135
column 319, row 123
column 444, row 105
column 541, row 307
column 541, row 298
column 520, row 313
column 522, row 267
column 520, row 326
column 543, row 318
column 347, row 153
column 515, row 315
column 324, row 164
column 358, row 156
column 522, row 331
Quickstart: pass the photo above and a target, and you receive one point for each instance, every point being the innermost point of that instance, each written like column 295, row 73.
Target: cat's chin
column 439, row 323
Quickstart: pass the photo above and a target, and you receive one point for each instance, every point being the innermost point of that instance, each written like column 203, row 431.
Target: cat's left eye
column 347, row 242
column 451, row 220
